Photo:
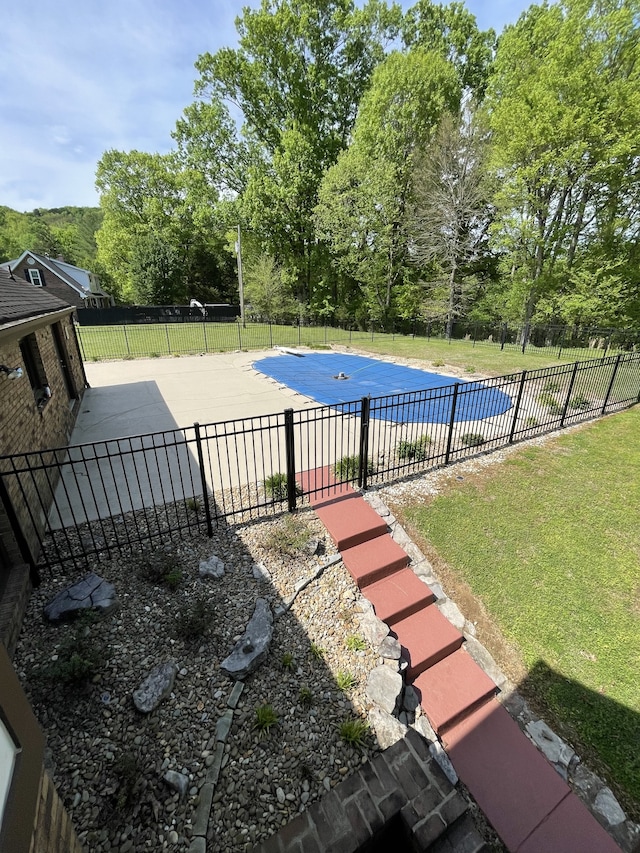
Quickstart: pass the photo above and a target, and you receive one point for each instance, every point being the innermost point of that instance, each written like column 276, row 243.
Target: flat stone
column 211, row 568
column 425, row 729
column 236, row 693
column 253, row 647
column 606, row 805
column 223, row 726
column 390, row 648
column 548, row 742
column 312, row 547
column 374, row 629
column 198, row 845
column 156, row 687
column 90, row 593
column 451, row 612
column 384, row 688
column 387, row 728
column 178, row 781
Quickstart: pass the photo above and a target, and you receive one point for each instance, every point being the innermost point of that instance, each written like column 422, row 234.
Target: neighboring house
column 74, row 285
column 41, row 384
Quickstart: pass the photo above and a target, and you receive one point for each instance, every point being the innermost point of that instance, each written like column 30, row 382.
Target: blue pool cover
column 314, row 375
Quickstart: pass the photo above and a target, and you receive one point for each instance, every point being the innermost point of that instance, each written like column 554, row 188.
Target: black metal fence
column 134, row 314
column 80, row 504
column 185, row 332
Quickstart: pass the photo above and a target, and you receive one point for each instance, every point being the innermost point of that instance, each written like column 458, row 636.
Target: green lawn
column 549, row 542
column 155, row 340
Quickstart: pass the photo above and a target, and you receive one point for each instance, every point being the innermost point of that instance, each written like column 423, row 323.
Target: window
column 35, row 370
column 35, row 277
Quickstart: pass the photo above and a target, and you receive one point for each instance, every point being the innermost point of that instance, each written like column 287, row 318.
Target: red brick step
column 426, row 637
column 398, row 596
column 374, row 559
column 451, row 688
column 350, row 520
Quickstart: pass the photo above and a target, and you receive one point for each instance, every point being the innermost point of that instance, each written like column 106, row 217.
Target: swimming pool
column 340, row 378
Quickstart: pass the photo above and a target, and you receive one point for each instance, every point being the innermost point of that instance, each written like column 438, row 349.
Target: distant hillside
column 66, row 231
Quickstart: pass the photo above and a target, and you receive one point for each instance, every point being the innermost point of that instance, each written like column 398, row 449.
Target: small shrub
column 347, row 468
column 579, row 401
column 80, row 655
column 550, row 403
column 355, row 643
column 288, row 661
column 469, row 368
column 551, row 385
column 275, row 487
column 472, row 439
column 192, row 504
column 287, row 537
column 266, row 718
column 317, row 652
column 128, row 773
column 354, row 732
column 417, row 450
column 154, row 355
column 345, row 680
column 161, row 568
column 305, row 696
column 194, row 619
column 438, row 363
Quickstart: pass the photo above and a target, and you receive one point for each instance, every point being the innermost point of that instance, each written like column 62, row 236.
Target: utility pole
column 240, row 282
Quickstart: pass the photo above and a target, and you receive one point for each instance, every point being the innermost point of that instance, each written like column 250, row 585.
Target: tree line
column 390, row 165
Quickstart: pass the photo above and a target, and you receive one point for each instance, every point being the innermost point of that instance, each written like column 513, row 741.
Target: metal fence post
column 270, row 334
column 561, row 342
column 525, row 337
column 611, row 381
column 451, row 422
column 290, row 453
column 503, row 336
column 569, row 390
column 517, row 406
column 363, row 467
column 203, row 480
column 126, row 339
column 239, row 336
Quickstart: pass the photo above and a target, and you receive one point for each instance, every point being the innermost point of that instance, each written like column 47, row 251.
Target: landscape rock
column 606, row 805
column 373, row 629
column 387, row 728
column 156, row 687
column 390, row 648
column 451, row 612
column 384, row 688
column 260, row 572
column 178, row 781
column 90, row 593
column 548, row 742
column 211, row 568
column 253, row 647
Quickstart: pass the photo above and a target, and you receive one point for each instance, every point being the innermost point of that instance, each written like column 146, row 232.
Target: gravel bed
column 108, row 761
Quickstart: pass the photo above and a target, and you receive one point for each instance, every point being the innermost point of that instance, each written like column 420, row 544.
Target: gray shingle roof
column 20, row 300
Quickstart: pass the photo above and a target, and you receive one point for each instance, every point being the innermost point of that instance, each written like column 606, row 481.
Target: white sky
column 78, row 77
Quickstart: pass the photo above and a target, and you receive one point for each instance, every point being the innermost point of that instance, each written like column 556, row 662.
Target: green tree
column 297, row 78
column 564, row 103
column 365, row 197
column 267, row 290
column 450, row 218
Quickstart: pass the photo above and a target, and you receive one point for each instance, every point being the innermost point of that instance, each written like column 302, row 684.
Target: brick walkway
column 523, row 797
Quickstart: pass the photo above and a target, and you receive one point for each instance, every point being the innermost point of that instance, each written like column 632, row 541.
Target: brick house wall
column 26, row 426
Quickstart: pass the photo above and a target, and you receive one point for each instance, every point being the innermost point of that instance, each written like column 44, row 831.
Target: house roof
column 20, row 300
column 76, row 277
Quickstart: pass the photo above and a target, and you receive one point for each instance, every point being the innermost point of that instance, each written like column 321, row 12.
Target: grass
column 354, row 731
column 154, row 340
column 355, row 643
column 265, row 719
column 287, row 536
column 549, row 542
column 345, row 680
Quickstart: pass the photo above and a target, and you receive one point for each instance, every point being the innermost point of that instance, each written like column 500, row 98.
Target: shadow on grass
column 604, row 733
